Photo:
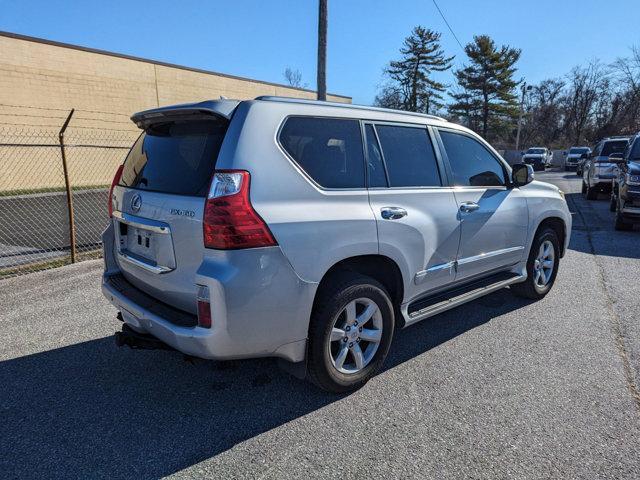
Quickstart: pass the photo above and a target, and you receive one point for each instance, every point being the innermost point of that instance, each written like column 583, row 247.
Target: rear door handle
column 467, row 207
column 392, row 213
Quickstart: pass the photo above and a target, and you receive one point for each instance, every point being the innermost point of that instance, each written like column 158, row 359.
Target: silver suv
column 309, row 231
column 598, row 171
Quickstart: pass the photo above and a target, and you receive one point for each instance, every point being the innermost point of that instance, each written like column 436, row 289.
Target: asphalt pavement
column 498, row 388
column 35, row 226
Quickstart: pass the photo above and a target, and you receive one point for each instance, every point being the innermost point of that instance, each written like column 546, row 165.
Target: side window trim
column 444, row 183
column 441, row 156
column 505, row 167
column 364, row 124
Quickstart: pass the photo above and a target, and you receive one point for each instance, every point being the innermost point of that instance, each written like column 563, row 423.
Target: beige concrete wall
column 41, row 81
column 34, row 73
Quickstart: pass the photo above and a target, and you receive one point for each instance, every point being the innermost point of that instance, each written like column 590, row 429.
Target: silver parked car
column 574, row 157
column 309, row 231
column 597, row 171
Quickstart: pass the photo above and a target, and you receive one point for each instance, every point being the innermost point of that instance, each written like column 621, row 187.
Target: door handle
column 392, row 213
column 467, row 207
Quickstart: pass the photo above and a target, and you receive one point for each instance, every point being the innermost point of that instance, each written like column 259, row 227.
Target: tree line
column 586, row 104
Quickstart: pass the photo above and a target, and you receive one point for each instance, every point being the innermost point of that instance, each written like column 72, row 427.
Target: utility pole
column 322, row 50
column 524, row 88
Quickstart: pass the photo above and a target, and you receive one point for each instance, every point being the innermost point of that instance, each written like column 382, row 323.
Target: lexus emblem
column 136, row 202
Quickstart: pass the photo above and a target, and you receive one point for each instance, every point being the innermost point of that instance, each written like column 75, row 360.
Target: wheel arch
column 380, row 267
column 558, row 225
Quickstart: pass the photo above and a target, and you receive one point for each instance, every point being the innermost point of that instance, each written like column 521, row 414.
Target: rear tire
column 540, row 275
column 620, row 224
column 592, row 193
column 584, row 188
column 338, row 365
column 613, row 203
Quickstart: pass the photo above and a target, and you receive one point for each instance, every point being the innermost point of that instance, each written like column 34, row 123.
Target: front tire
column 620, row 224
column 542, row 266
column 350, row 332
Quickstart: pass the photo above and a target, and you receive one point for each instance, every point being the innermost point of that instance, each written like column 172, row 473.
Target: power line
column 449, row 26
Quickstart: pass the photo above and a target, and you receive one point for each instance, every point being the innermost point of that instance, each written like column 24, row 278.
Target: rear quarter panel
column 314, row 227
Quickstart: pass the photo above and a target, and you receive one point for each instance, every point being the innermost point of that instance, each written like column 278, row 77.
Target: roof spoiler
column 218, row 108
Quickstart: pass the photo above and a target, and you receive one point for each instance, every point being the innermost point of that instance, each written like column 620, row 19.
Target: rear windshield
column 575, row 151
column 614, row 147
column 177, row 158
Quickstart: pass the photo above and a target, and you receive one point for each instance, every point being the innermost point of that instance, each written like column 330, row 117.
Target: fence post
column 67, row 185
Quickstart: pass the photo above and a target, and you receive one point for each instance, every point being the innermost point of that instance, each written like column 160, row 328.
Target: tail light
column 230, row 222
column 204, row 307
column 116, row 181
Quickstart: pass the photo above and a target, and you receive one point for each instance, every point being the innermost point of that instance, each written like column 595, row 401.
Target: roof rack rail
column 274, row 98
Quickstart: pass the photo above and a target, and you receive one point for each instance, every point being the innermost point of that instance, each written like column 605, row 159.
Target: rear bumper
column 259, row 307
column 602, row 184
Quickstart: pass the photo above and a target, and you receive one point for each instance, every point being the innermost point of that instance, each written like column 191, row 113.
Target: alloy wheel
column 544, row 264
column 355, row 336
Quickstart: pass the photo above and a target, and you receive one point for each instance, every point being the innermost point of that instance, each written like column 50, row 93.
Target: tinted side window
column 471, row 163
column 375, row 166
column 328, row 150
column 409, row 156
column 635, row 150
column 597, row 149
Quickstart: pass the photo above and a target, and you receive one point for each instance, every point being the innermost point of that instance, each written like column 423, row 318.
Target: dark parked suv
column 625, row 191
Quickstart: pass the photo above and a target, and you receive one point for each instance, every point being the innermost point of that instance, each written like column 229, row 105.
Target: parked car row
column 614, row 168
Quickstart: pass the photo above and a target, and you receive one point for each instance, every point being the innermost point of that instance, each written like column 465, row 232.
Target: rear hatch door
column 159, row 205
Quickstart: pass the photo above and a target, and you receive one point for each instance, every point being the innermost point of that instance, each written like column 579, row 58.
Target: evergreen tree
column 487, row 85
column 413, row 87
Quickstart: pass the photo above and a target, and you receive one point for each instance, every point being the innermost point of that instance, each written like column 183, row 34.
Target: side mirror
column 584, row 156
column 564, row 153
column 617, row 157
column 521, row 153
column 521, row 174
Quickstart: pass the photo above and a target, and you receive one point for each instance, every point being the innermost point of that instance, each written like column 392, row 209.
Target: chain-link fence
column 54, row 185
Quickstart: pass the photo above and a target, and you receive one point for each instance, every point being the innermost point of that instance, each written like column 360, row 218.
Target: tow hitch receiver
column 136, row 340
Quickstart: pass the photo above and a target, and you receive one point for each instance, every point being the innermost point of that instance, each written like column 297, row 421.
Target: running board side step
column 433, row 305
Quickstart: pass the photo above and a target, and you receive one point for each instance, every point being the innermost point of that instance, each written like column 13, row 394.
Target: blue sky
column 259, row 39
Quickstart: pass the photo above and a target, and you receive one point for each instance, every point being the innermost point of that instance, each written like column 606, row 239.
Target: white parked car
column 538, row 157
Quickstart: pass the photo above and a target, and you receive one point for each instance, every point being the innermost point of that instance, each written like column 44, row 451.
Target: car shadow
column 93, row 410
column 592, row 218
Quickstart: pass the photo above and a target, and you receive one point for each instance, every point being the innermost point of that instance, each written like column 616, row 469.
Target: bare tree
column 322, row 50
column 627, row 76
column 294, row 78
column 544, row 119
column 585, row 83
column 390, row 96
